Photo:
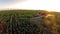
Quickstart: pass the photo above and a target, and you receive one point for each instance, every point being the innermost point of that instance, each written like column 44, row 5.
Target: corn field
column 26, row 22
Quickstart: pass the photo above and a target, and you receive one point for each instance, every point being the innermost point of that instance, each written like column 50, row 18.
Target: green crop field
column 18, row 22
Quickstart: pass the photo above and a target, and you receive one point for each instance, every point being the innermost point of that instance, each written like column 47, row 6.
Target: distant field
column 18, row 21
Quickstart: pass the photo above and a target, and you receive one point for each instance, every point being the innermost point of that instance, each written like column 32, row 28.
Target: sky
column 50, row 5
